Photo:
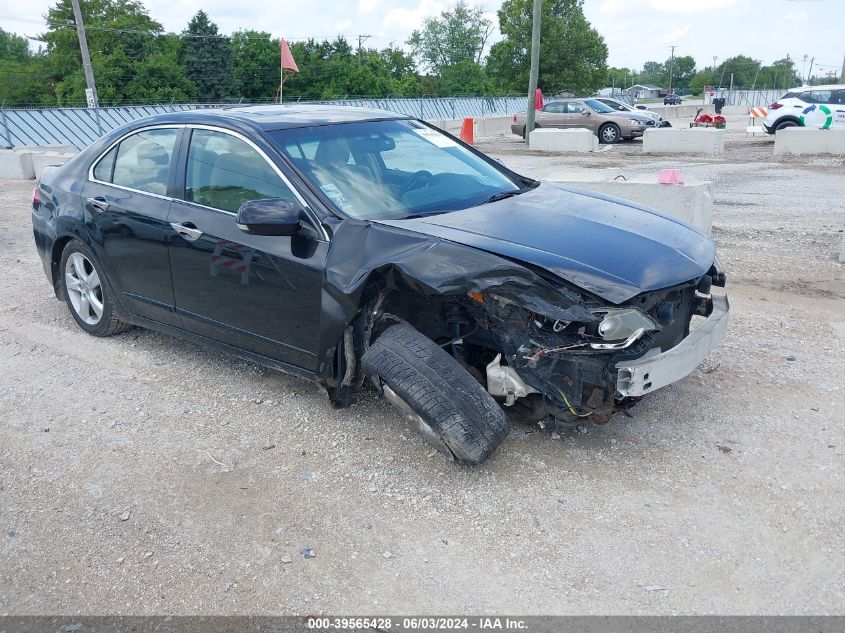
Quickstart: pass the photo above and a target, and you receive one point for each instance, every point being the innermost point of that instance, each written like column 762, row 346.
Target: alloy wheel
column 84, row 288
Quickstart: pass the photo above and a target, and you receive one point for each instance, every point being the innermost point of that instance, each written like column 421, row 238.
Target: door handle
column 99, row 203
column 188, row 231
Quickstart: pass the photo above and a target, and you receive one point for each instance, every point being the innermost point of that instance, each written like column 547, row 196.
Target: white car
column 809, row 106
column 621, row 106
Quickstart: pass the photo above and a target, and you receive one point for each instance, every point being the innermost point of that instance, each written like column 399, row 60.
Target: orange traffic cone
column 467, row 131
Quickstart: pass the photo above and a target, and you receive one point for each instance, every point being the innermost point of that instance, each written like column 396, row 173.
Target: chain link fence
column 79, row 127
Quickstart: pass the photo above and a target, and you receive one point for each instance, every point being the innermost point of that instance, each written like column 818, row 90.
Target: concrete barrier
column 800, row 140
column 16, row 164
column 684, row 141
column 48, row 159
column 681, row 112
column 491, row 126
column 691, row 202
column 577, row 140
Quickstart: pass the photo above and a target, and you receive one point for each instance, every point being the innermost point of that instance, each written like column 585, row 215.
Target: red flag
column 288, row 62
column 538, row 99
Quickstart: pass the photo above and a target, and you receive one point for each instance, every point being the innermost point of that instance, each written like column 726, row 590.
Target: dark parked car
column 672, row 99
column 350, row 245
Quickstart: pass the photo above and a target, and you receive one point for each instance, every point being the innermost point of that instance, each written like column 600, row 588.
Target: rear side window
column 554, row 107
column 105, row 168
column 223, row 172
column 140, row 161
column 816, row 96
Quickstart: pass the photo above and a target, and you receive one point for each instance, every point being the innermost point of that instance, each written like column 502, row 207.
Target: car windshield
column 598, row 106
column 393, row 169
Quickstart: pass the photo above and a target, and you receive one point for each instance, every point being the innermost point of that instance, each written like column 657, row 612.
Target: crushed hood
column 612, row 248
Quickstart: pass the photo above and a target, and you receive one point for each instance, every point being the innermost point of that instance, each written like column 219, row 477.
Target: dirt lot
column 144, row 475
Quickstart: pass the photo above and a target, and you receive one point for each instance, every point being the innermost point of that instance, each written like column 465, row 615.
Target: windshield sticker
column 338, row 198
column 436, row 138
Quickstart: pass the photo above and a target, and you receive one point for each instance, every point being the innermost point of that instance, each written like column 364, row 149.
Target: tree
column 700, row 79
column 458, row 35
column 744, row 70
column 779, row 74
column 256, row 64
column 464, row 78
column 207, row 57
column 620, row 77
column 159, row 77
column 119, row 32
column 573, row 56
column 13, row 47
column 682, row 70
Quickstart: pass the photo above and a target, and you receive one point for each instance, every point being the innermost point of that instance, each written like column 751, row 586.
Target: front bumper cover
column 655, row 370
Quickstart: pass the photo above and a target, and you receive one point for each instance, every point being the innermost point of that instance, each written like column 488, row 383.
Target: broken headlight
column 620, row 327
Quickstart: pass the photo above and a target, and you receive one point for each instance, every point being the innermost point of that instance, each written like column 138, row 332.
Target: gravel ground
column 144, row 475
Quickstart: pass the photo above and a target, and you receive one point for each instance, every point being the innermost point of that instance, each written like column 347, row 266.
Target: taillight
column 775, row 106
column 36, row 197
column 514, row 118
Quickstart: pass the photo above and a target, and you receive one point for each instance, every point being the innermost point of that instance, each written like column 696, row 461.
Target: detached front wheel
column 436, row 395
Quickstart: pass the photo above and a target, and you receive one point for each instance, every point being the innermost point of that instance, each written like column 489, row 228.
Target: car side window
column 555, row 107
column 575, row 108
column 816, row 96
column 224, row 171
column 104, row 169
column 142, row 161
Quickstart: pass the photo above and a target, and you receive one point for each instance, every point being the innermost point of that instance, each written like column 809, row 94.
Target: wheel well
column 784, row 119
column 56, row 256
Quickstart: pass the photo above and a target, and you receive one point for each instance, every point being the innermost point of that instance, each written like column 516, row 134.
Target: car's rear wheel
column 86, row 291
column 436, row 395
column 609, row 133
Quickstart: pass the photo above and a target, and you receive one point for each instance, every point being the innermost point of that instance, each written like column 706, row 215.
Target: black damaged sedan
column 352, row 245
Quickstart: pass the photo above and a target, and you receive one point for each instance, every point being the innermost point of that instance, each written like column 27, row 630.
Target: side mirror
column 272, row 216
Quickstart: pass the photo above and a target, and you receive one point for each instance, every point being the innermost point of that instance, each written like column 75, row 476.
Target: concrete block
column 48, row 159
column 493, row 126
column 691, row 202
column 16, row 165
column 577, row 140
column 684, row 141
column 801, row 140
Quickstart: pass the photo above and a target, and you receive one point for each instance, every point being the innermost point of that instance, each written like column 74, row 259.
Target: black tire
column 786, row 124
column 108, row 324
column 609, row 133
column 463, row 421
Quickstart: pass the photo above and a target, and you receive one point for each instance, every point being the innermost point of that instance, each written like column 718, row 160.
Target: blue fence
column 79, row 127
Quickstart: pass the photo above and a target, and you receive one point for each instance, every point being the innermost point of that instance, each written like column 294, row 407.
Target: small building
column 645, row 91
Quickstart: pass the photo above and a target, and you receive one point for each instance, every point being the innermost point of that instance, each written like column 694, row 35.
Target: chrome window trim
column 96, row 161
column 315, row 221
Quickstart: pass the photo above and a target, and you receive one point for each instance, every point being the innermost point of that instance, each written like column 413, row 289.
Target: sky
column 636, row 31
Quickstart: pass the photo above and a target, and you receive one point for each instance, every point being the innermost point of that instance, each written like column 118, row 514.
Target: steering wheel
column 418, row 180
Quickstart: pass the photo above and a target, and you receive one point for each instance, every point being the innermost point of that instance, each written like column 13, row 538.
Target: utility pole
column 671, row 67
column 810, row 72
column 535, row 66
column 91, row 93
column 842, row 74
column 361, row 40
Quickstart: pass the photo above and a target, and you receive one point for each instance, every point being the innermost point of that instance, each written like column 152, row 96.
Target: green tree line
column 136, row 61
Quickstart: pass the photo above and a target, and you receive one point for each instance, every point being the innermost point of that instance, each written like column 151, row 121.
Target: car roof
column 277, row 117
column 826, row 87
